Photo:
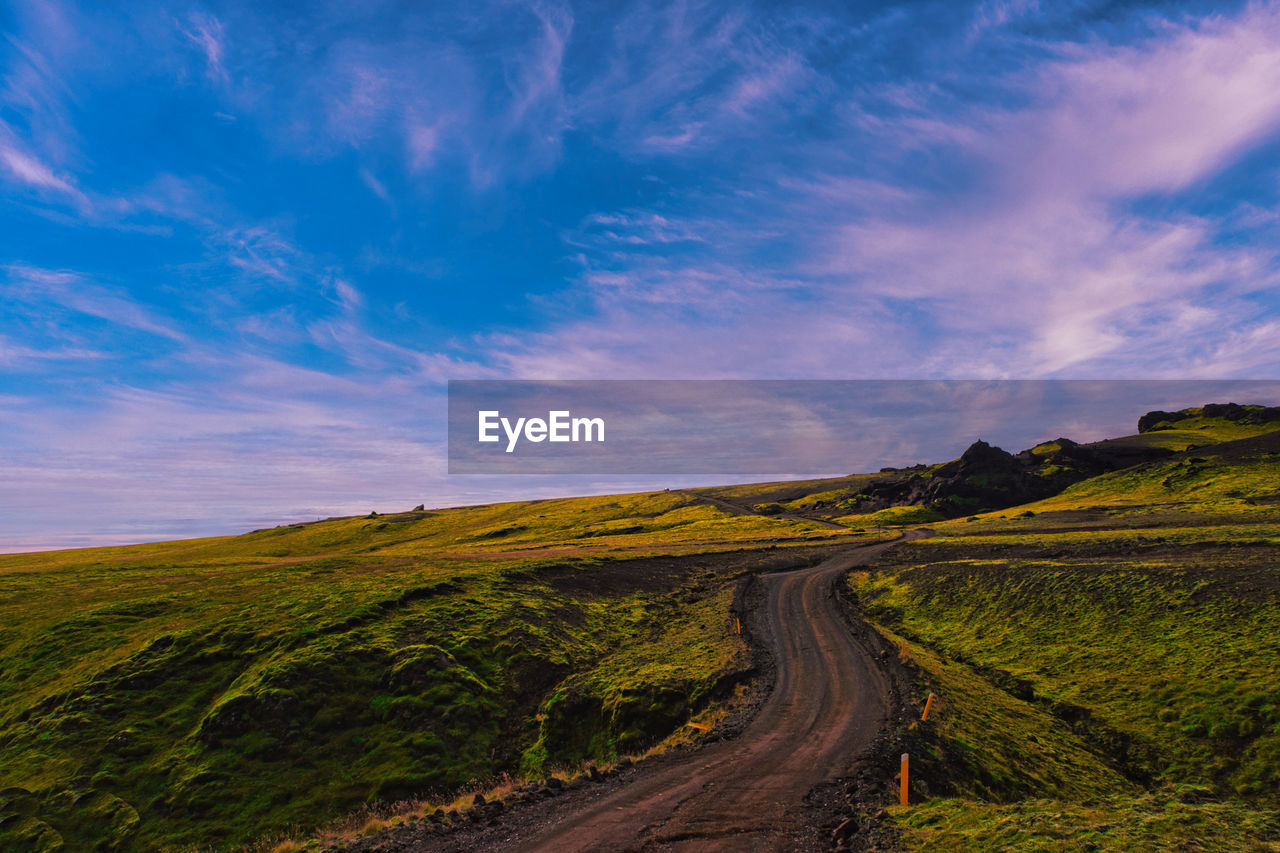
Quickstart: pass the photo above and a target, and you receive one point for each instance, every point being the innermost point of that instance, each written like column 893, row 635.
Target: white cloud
column 32, row 172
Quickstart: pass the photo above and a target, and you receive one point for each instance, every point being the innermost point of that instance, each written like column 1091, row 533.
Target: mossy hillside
column 787, row 491
column 895, row 516
column 1191, row 429
column 635, row 522
column 326, row 572
column 1224, row 421
column 991, row 771
column 1242, row 481
column 982, row 742
column 1145, row 629
column 1228, row 492
column 216, row 731
column 1082, row 538
column 1171, row 651
column 642, row 690
column 1146, row 823
column 1195, row 433
column 828, row 499
column 1139, row 613
column 206, row 692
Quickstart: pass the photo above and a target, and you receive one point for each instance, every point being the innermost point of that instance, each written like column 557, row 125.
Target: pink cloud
column 1044, row 252
column 1152, row 117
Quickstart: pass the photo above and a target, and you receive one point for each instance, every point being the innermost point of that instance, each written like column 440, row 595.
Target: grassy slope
column 800, row 497
column 1135, row 617
column 1194, row 431
column 208, row 691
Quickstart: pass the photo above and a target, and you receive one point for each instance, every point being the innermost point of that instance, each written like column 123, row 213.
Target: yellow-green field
column 209, row 692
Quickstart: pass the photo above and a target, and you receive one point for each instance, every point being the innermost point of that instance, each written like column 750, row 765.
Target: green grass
column 645, row 687
column 1195, row 484
column 1148, row 823
column 205, row 693
column 1107, row 664
column 991, row 771
column 894, row 515
column 965, row 748
column 1167, row 653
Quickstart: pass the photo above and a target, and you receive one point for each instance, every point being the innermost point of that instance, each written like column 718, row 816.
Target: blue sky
column 243, row 246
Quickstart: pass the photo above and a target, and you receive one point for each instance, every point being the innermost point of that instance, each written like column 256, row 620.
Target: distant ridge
column 1234, row 412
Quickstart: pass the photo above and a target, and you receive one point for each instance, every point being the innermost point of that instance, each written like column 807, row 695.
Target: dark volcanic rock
column 988, row 478
column 984, row 477
column 1158, row 419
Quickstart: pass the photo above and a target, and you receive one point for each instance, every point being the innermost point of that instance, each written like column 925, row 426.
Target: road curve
column 829, row 702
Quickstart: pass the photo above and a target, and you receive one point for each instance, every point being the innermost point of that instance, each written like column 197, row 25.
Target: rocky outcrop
column 988, row 478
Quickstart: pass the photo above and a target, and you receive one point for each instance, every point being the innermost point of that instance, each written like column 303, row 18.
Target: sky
column 243, row 246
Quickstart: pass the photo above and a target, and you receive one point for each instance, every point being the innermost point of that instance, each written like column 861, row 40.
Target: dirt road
column 747, row 794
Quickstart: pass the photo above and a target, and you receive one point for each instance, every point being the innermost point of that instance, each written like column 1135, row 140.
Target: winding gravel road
column 747, row 794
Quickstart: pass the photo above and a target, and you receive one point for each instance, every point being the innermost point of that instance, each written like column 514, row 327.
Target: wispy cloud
column 1026, row 247
column 994, row 14
column 32, row 172
column 422, row 143
column 1051, row 243
column 684, row 78
column 1154, row 116
column 206, row 33
column 259, row 252
column 535, row 81
column 12, row 352
column 71, row 291
column 634, row 229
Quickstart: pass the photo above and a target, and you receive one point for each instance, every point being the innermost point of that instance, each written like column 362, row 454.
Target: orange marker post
column 928, row 703
column 902, row 792
column 739, row 623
